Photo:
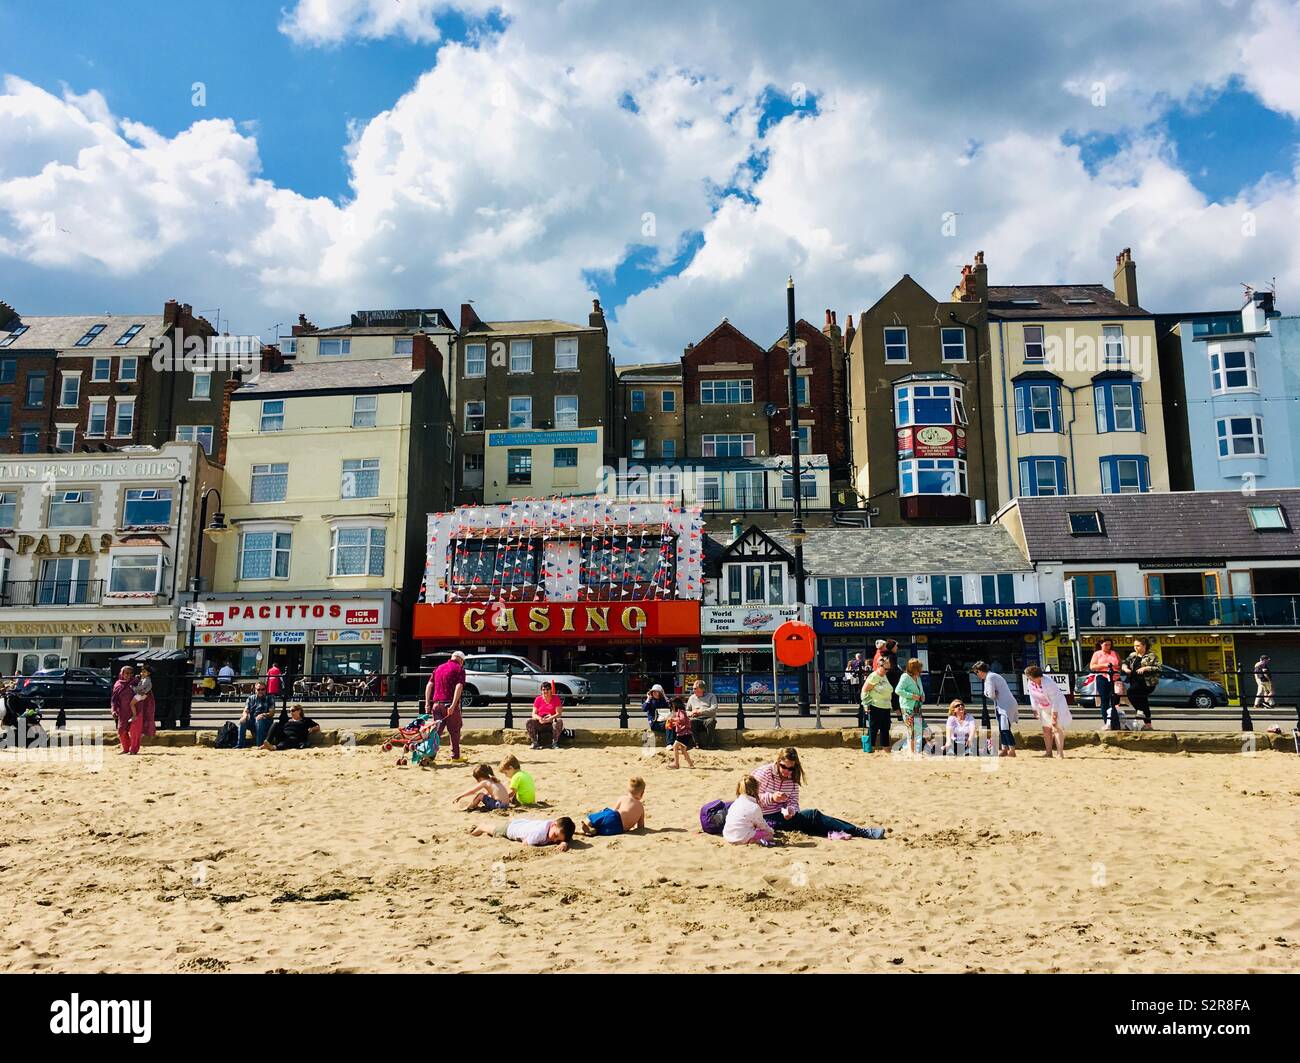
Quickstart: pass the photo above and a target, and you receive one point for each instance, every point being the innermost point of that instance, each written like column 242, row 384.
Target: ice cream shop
column 331, row 634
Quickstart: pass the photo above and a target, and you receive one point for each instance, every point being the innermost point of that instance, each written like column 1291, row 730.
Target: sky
column 676, row 160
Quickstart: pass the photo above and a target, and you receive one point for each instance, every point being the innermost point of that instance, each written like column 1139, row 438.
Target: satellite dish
column 769, row 409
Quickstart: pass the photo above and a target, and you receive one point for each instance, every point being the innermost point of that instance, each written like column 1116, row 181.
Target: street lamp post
column 797, row 533
column 217, row 530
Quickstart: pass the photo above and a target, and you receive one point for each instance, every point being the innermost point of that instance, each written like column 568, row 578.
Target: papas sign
column 273, row 615
column 558, row 621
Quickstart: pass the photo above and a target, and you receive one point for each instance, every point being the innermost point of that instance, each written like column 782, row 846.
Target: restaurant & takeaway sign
column 942, row 619
column 558, row 621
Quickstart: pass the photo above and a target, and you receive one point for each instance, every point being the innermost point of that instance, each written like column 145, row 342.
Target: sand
column 334, row 860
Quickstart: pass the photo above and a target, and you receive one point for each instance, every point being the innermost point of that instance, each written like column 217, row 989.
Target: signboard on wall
column 932, row 441
column 558, row 621
column 260, row 614
column 941, row 619
column 745, row 619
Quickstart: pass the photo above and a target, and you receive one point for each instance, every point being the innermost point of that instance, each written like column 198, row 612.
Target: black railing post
column 395, row 720
column 740, row 700
column 984, row 710
column 63, row 701
column 510, row 704
column 622, row 711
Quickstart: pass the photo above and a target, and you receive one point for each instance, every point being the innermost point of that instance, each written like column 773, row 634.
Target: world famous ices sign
column 1029, row 618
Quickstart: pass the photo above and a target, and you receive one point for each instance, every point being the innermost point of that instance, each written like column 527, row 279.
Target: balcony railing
column 34, row 593
column 1183, row 611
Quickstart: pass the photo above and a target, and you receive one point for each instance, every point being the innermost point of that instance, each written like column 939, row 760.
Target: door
column 1241, row 592
column 64, row 581
column 290, row 659
column 1095, row 603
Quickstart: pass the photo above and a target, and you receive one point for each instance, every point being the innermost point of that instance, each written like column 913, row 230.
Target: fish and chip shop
column 947, row 639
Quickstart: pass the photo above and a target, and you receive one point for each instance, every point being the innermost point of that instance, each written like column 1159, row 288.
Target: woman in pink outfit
column 143, row 707
column 129, row 723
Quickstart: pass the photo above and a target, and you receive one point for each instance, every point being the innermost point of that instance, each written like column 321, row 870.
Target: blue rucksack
column 713, row 816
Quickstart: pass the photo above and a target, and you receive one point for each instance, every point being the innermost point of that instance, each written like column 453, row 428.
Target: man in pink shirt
column 442, row 697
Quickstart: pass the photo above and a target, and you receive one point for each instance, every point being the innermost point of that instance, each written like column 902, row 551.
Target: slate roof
column 951, row 549
column 328, row 376
column 1166, row 526
column 528, row 328
column 1053, row 302
column 650, row 370
column 62, row 333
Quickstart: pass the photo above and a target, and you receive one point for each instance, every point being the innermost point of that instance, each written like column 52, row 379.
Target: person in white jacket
column 1050, row 706
column 745, row 822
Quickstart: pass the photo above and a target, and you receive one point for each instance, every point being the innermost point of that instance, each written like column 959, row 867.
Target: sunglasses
column 787, row 767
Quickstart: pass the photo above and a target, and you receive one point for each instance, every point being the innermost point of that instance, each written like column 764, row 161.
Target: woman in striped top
column 778, row 799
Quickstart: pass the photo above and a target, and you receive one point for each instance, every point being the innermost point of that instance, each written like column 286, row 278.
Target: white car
column 486, row 673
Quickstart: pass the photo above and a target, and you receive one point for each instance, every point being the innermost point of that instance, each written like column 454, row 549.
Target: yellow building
column 331, row 471
column 1076, row 381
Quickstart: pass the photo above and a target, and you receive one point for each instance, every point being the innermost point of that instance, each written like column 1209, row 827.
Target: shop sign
column 1195, row 640
column 559, row 438
column 1194, row 563
column 558, row 621
column 88, row 627
column 63, row 545
column 230, row 638
column 89, row 471
column 932, row 441
column 758, row 687
column 262, row 615
column 288, row 638
column 745, row 620
column 941, row 619
column 351, row 635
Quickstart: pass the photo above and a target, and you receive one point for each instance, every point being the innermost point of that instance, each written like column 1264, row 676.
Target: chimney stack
column 1126, row 278
column 596, row 319
column 849, row 332
column 303, row 328
column 425, row 354
column 7, row 314
column 736, row 529
column 469, row 320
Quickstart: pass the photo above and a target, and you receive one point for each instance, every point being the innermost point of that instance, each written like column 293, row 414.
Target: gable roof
column 360, row 375
column 723, row 326
column 1053, row 301
column 1166, row 525
column 62, row 333
column 949, row 550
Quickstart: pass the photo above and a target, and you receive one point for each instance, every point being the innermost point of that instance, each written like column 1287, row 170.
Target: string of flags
column 565, row 549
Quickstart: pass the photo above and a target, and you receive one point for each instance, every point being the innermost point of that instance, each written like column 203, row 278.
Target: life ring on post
column 794, row 643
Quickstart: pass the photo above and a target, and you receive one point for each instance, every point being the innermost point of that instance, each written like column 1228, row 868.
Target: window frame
column 359, row 414
column 915, row 467
column 1219, row 371
column 119, row 405
column 511, row 415
column 480, row 417
column 473, row 348
column 945, row 344
column 270, row 471
column 67, row 377
column 520, row 344
column 570, row 420
column 517, row 478
column 264, row 414
column 123, row 377
column 1027, row 343
column 206, row 395
column 1111, row 483
column 742, row 385
column 1030, row 476
column 361, row 466
column 368, row 549
column 895, row 345
column 275, row 550
column 1226, row 441
column 566, row 368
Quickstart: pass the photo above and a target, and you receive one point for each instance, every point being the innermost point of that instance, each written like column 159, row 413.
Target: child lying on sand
column 531, row 831
column 627, row 814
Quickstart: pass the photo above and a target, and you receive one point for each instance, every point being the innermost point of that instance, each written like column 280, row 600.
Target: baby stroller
column 419, row 739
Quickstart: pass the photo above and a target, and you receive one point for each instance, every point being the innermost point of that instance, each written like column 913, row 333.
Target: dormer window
column 1088, row 522
column 1268, row 518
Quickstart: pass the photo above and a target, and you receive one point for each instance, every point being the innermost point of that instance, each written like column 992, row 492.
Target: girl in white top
column 745, row 822
column 1050, row 706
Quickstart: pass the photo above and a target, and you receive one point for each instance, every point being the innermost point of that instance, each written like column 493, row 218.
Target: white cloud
column 516, row 168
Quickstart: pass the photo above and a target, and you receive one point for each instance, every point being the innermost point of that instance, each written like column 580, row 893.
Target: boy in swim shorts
column 627, row 814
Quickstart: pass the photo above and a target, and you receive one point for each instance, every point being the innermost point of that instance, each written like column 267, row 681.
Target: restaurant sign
column 941, row 619
column 558, row 621
column 932, row 441
column 260, row 614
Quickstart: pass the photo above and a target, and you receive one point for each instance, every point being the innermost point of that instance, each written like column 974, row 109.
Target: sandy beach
column 332, row 859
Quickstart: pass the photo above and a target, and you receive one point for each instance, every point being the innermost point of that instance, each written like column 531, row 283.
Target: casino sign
column 667, row 621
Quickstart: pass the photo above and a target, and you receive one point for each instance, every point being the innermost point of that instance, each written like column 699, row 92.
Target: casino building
column 571, row 583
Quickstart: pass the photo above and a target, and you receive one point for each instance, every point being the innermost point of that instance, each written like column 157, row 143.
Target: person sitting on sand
column 656, row 708
column 547, row 717
column 1049, row 705
column 745, row 823
column 258, row 715
column 489, row 793
column 778, row 797
column 961, row 730
column 680, row 739
column 627, row 813
column 291, row 733
column 523, row 791
column 558, row 832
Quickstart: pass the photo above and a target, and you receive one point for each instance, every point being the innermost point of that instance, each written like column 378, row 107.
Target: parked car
column 83, row 688
column 486, row 674
column 1175, row 688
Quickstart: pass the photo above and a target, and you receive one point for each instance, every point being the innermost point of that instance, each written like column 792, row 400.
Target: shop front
column 657, row 640
column 1213, row 656
column 27, row 646
column 736, row 642
column 947, row 639
column 325, row 635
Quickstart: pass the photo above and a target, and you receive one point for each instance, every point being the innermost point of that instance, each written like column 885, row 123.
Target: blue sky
column 520, row 170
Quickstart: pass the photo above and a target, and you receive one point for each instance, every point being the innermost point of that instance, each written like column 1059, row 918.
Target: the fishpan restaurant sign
column 920, row 619
column 558, row 621
column 745, row 620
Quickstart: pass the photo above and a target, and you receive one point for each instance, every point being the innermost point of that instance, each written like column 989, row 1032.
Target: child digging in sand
column 557, row 832
column 523, row 791
column 627, row 814
column 745, row 822
column 489, row 793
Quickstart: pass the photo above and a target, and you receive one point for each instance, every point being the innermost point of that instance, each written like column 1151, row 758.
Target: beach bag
column 227, row 736
column 713, row 816
column 567, row 734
